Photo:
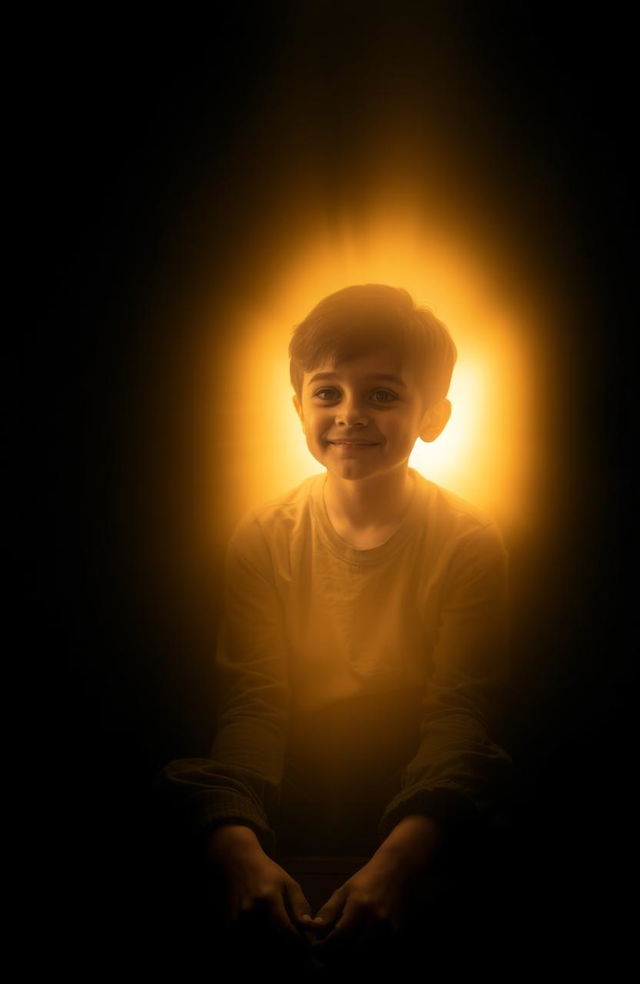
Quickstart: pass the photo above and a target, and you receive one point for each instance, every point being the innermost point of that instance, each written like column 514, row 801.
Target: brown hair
column 357, row 319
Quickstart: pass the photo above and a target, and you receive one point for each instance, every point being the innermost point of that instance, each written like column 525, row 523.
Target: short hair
column 357, row 319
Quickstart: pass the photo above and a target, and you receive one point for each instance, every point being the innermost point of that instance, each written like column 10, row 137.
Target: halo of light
column 486, row 451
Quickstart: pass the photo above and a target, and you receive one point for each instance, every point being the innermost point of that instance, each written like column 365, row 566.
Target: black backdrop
column 148, row 173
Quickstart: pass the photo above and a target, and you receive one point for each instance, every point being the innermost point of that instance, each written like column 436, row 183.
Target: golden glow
column 484, row 453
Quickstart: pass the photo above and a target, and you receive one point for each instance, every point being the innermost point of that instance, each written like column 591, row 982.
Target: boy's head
column 367, row 317
column 370, row 372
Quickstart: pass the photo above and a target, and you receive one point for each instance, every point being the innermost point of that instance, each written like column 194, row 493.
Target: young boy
column 362, row 641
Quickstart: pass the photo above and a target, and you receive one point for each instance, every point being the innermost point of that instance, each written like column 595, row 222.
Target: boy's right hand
column 257, row 888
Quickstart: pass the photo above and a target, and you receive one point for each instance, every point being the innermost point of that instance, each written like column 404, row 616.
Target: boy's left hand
column 372, row 904
column 369, row 906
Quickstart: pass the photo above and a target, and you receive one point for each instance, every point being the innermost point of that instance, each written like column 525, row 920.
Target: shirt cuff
column 232, row 808
column 445, row 804
column 202, row 796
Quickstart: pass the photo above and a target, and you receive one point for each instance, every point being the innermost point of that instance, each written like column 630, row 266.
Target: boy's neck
column 374, row 503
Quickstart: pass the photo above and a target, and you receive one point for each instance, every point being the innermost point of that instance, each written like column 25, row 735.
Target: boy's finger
column 350, row 922
column 330, row 910
column 298, row 906
column 280, row 917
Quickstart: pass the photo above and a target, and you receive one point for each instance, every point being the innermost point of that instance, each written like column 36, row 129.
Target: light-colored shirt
column 356, row 670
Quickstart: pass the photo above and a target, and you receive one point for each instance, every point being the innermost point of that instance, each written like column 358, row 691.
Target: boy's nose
column 351, row 414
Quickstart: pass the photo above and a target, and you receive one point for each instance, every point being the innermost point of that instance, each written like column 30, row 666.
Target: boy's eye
column 378, row 396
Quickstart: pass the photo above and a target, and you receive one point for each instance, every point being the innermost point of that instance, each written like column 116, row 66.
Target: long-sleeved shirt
column 354, row 683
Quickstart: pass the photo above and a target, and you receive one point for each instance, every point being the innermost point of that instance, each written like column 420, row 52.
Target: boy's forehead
column 372, row 364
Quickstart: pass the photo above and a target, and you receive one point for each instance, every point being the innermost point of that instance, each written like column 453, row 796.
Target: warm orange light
column 485, row 452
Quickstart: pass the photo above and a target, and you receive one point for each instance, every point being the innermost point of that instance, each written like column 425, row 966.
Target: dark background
column 153, row 171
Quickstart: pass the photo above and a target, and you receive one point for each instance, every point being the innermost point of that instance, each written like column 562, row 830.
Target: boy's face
column 363, row 417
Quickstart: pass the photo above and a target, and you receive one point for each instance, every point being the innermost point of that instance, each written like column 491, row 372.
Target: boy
column 362, row 641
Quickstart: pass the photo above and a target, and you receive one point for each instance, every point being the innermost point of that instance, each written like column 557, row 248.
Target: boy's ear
column 435, row 420
column 298, row 406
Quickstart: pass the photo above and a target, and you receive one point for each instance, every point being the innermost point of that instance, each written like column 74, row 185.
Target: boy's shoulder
column 286, row 506
column 441, row 504
column 278, row 516
column 453, row 523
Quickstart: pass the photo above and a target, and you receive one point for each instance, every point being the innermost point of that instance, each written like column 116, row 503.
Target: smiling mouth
column 357, row 444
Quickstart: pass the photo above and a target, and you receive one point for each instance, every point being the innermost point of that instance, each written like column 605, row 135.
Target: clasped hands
column 368, row 908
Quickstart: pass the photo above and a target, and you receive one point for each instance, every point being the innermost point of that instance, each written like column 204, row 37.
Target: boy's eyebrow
column 380, row 376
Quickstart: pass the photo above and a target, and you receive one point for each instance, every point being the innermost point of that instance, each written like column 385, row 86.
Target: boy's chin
column 350, row 471
column 347, row 468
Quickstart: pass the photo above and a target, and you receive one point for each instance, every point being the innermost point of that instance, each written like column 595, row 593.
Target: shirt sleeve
column 458, row 771
column 241, row 781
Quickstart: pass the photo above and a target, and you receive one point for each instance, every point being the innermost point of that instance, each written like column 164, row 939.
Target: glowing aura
column 484, row 454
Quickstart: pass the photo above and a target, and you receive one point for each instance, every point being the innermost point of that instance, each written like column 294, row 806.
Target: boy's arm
column 458, row 771
column 240, row 782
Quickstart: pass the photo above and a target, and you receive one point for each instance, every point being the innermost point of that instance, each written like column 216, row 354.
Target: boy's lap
column 454, row 913
column 439, row 931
